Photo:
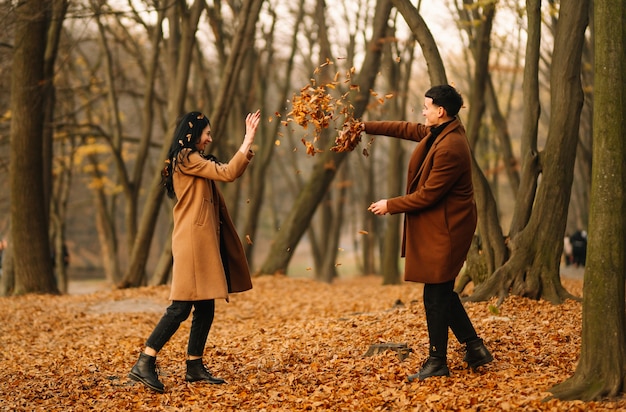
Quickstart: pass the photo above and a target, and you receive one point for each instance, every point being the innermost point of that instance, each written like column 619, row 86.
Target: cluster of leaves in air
column 320, row 104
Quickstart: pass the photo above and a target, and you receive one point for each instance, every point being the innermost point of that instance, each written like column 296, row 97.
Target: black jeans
column 176, row 313
column 444, row 309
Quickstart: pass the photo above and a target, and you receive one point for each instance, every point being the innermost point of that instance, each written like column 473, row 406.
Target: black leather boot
column 477, row 354
column 196, row 371
column 434, row 366
column 145, row 372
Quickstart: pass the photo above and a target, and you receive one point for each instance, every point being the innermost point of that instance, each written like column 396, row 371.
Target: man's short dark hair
column 447, row 97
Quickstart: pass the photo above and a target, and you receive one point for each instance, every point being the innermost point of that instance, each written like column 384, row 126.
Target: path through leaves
column 289, row 345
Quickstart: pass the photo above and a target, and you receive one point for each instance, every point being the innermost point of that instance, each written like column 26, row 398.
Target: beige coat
column 200, row 219
column 439, row 208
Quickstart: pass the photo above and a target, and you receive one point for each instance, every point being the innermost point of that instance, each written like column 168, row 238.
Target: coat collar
column 432, row 140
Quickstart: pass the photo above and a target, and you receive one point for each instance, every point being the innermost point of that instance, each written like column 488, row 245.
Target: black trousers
column 444, row 310
column 176, row 313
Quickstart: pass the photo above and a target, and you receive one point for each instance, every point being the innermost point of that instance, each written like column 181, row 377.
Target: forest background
column 115, row 76
column 85, row 140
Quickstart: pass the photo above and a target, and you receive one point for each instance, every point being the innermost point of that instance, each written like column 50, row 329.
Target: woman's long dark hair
column 186, row 136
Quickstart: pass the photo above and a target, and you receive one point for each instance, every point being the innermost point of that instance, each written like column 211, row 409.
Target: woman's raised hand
column 252, row 123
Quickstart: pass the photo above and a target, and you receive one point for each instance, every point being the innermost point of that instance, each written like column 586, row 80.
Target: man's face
column 432, row 113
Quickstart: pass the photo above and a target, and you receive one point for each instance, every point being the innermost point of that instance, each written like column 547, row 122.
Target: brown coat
column 439, row 208
column 200, row 218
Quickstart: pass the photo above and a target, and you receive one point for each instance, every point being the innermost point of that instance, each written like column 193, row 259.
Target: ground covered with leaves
column 288, row 344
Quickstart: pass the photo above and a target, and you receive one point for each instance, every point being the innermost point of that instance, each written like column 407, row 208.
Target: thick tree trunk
column 601, row 370
column 29, row 225
column 533, row 268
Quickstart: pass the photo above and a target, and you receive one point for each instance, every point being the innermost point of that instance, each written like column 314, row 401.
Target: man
column 439, row 223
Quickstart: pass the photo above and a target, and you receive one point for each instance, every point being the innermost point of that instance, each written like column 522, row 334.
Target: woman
column 209, row 261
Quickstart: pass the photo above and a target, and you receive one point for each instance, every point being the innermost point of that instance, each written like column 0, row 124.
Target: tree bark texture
column 533, row 268
column 29, row 225
column 601, row 370
column 530, row 90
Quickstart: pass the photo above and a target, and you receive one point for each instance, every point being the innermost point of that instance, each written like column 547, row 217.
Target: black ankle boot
column 434, row 366
column 196, row 371
column 144, row 371
column 477, row 354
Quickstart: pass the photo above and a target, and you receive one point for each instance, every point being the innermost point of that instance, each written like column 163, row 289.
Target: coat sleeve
column 446, row 170
column 196, row 165
column 402, row 130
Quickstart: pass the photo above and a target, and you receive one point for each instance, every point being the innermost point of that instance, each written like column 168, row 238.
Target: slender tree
column 183, row 25
column 262, row 161
column 299, row 218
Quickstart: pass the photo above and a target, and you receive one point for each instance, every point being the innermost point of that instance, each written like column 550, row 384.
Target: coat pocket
column 203, row 212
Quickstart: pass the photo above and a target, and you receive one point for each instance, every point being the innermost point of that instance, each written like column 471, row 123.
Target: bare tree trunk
column 331, row 209
column 180, row 49
column 436, row 69
column 58, row 211
column 55, row 201
column 389, row 264
column 601, row 370
column 533, row 268
column 265, row 152
column 58, row 9
column 243, row 41
column 163, row 268
column 29, row 225
column 370, row 224
column 502, row 131
column 7, row 280
column 578, row 213
column 326, row 167
column 115, row 140
column 328, row 268
column 107, row 236
column 530, row 157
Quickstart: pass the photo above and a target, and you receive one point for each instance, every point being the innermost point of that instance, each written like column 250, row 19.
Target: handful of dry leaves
column 320, row 105
column 349, row 138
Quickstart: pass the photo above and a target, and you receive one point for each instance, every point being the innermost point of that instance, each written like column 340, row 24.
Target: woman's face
column 205, row 139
